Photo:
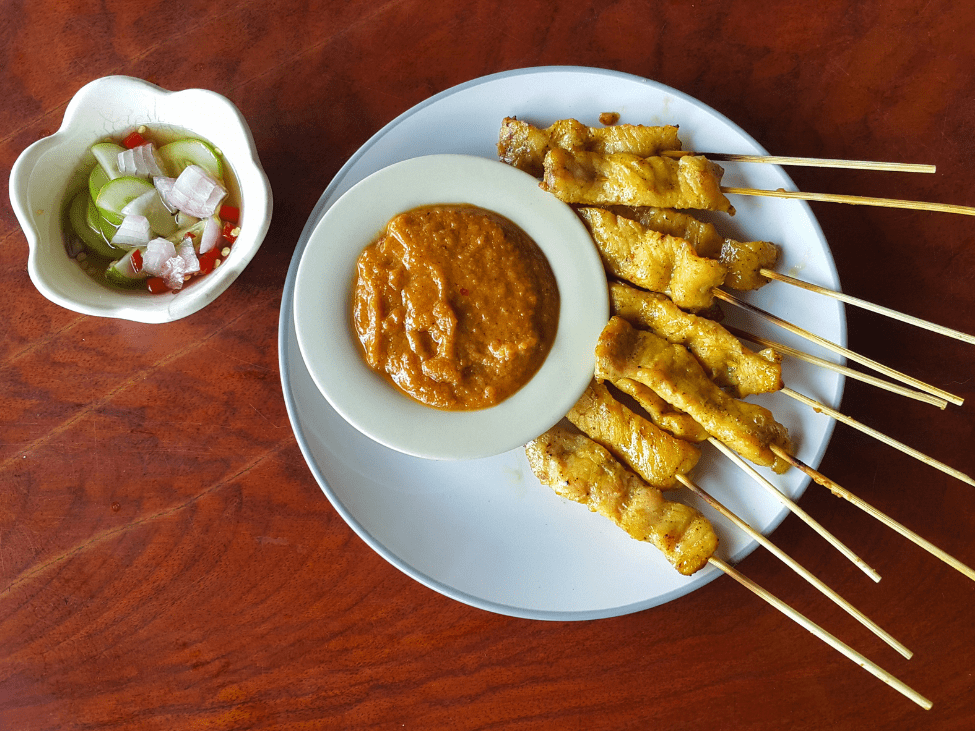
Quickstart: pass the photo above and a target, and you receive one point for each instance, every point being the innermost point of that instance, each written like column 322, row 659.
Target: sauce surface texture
column 456, row 305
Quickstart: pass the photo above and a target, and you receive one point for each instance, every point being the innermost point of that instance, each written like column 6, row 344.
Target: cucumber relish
column 155, row 212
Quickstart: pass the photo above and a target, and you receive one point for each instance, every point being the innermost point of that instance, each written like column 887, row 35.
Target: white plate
column 333, row 355
column 485, row 532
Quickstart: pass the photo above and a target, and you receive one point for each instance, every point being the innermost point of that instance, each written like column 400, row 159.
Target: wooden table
column 167, row 560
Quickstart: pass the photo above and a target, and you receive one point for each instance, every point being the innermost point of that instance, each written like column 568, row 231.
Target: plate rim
column 286, row 320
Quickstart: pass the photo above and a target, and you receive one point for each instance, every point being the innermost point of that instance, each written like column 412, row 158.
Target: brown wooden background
column 167, row 560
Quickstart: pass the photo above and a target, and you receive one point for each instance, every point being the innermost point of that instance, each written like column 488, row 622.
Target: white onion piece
column 187, row 253
column 172, row 273
column 140, row 161
column 210, row 235
column 152, row 161
column 196, row 193
column 133, row 231
column 157, row 253
column 165, row 188
column 127, row 164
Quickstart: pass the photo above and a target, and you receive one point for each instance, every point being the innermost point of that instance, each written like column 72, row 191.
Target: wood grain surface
column 167, row 560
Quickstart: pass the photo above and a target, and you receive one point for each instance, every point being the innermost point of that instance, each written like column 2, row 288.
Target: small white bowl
column 330, row 348
column 49, row 171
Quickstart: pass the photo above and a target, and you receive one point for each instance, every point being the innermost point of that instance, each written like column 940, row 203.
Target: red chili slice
column 134, row 140
column 208, row 260
column 230, row 232
column 229, row 213
column 156, row 285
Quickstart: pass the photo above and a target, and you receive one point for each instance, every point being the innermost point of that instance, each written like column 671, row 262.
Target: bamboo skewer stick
column 864, row 304
column 799, row 512
column 854, row 200
column 823, row 408
column 822, row 634
column 849, row 372
column 862, row 360
column 838, row 491
column 818, row 162
column 797, row 567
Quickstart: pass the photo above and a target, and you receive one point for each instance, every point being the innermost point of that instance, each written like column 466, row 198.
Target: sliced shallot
column 187, row 253
column 173, row 271
column 157, row 253
column 196, row 193
column 133, row 231
column 210, row 235
column 140, row 161
column 165, row 188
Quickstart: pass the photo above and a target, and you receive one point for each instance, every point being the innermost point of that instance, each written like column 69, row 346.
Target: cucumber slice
column 122, row 273
column 196, row 229
column 97, row 180
column 91, row 237
column 118, row 193
column 107, row 155
column 178, row 155
column 98, row 223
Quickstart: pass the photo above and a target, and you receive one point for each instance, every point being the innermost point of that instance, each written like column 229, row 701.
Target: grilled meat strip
column 648, row 450
column 655, row 261
column 661, row 413
column 621, row 178
column 579, row 469
column 744, row 259
column 729, row 363
column 676, row 376
column 524, row 145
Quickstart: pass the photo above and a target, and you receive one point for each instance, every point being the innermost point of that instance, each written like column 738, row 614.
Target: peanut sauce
column 456, row 305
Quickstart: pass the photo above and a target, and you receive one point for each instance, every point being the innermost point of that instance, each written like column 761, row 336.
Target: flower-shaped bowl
column 51, row 170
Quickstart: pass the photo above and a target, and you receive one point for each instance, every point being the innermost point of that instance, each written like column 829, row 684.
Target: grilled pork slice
column 621, row 178
column 729, row 363
column 579, row 469
column 625, row 352
column 652, row 260
column 704, row 237
column 661, row 413
column 524, row 145
column 744, row 259
column 648, row 450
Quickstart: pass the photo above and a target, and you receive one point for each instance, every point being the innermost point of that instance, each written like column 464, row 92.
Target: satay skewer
column 837, row 368
column 795, row 509
column 854, row 200
column 624, row 353
column 646, row 309
column 890, row 441
column 795, row 566
column 839, row 491
column 864, row 304
column 818, row 162
column 822, row 634
column 651, row 263
column 846, row 352
column 661, row 458
column 581, row 470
